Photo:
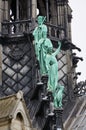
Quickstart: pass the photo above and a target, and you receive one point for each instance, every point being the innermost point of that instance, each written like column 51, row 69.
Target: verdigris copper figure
column 58, row 95
column 38, row 33
column 42, row 45
column 52, row 67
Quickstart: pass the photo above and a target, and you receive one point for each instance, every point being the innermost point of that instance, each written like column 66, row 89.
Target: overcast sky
column 79, row 33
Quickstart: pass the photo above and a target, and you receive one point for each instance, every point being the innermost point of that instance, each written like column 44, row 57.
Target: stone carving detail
column 16, row 54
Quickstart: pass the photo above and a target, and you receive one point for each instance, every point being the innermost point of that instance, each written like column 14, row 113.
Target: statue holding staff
column 38, row 33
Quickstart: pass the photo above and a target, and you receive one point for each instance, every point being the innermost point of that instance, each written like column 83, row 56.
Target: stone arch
column 18, row 122
column 19, row 117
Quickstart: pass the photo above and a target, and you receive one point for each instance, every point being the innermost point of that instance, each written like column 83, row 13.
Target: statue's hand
column 41, row 41
column 40, row 26
column 59, row 43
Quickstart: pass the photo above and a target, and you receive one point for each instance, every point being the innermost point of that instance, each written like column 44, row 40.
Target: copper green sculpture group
column 47, row 60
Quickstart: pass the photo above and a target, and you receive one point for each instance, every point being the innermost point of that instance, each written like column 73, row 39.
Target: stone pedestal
column 44, row 79
column 58, row 115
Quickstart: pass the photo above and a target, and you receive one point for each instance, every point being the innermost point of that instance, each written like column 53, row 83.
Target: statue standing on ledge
column 47, row 60
column 52, row 67
column 42, row 45
column 38, row 33
column 58, row 95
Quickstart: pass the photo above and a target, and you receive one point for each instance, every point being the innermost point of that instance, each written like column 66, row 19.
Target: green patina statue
column 58, row 95
column 43, row 43
column 47, row 60
column 40, row 37
column 52, row 67
column 38, row 33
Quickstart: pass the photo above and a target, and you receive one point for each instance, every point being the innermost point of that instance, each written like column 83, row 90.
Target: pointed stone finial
column 19, row 95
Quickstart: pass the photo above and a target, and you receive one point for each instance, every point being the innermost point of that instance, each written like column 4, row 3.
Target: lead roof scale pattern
column 17, row 68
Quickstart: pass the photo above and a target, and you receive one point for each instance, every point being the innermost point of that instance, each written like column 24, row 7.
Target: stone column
column 58, row 13
column 17, row 9
column 65, row 20
column 28, row 9
column 69, row 76
column 1, row 19
column 58, row 115
column 34, row 8
column 69, row 22
column 69, row 60
column 1, row 12
column 47, row 10
column 34, row 12
column 6, row 10
column 53, row 12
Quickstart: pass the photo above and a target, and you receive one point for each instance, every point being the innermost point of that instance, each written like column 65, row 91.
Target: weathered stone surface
column 14, row 114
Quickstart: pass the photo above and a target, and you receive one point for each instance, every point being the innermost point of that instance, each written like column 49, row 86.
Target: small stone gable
column 14, row 114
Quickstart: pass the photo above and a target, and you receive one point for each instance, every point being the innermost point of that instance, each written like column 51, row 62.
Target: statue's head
column 40, row 19
column 50, row 50
column 48, row 46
